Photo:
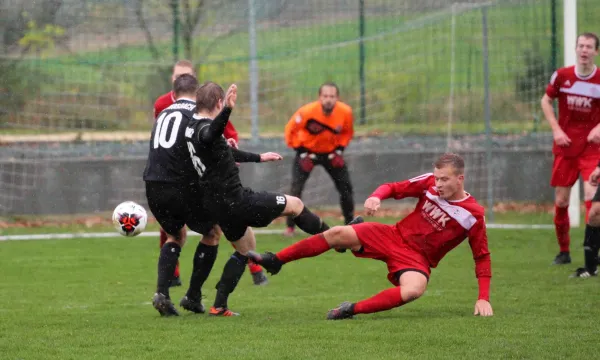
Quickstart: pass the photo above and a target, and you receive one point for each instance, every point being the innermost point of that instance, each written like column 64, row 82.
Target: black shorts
column 176, row 205
column 255, row 209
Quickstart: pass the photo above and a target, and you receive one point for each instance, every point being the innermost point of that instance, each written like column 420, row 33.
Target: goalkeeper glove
column 336, row 159
column 305, row 160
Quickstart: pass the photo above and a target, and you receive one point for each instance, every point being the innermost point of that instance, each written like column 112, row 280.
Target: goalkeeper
column 319, row 132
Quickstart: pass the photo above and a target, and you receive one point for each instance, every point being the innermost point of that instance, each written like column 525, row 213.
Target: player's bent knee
column 210, row 239
column 561, row 203
column 179, row 238
column 343, row 237
column 246, row 243
column 293, row 206
column 412, row 285
column 562, row 196
column 410, row 293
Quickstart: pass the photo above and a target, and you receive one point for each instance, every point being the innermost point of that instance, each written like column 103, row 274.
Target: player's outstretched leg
column 336, row 237
column 591, row 244
column 258, row 276
column 306, row 220
column 412, row 286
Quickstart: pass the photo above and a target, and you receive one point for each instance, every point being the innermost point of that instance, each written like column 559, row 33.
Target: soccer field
column 90, row 299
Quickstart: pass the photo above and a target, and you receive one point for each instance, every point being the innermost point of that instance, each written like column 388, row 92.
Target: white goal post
column 570, row 41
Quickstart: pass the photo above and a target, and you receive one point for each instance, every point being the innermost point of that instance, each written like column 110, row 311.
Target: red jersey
column 578, row 109
column 166, row 100
column 437, row 226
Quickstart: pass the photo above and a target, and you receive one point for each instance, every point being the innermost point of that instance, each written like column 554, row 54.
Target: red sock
column 309, row 247
column 177, row 270
column 385, row 300
column 588, row 206
column 561, row 225
column 254, row 268
column 163, row 238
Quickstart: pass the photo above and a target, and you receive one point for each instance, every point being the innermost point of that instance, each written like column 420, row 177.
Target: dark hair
column 185, row 84
column 450, row 159
column 591, row 35
column 332, row 84
column 208, row 96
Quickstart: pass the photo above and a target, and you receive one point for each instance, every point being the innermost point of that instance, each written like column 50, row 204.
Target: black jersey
column 213, row 159
column 169, row 160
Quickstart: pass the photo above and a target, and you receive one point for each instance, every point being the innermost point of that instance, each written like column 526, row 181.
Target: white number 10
column 162, row 127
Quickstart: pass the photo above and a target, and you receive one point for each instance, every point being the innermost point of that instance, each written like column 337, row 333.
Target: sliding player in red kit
column 164, row 101
column 444, row 216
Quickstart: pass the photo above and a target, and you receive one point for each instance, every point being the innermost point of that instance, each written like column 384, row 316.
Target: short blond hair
column 451, row 159
column 184, row 63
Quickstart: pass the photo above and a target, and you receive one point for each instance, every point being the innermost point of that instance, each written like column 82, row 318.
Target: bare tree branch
column 216, row 40
column 191, row 20
column 195, row 18
column 139, row 13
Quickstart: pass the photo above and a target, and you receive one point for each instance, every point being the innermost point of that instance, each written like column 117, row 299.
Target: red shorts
column 566, row 170
column 383, row 242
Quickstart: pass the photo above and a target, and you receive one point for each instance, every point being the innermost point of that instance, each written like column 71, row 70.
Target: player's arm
column 291, row 130
column 547, row 103
column 483, row 266
column 212, row 132
column 399, row 190
column 242, row 156
column 336, row 158
column 347, row 131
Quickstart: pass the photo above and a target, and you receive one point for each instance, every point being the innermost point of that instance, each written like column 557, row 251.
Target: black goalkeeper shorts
column 254, row 209
column 176, row 205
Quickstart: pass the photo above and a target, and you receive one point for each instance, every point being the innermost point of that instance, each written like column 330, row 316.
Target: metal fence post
column 253, row 71
column 488, row 123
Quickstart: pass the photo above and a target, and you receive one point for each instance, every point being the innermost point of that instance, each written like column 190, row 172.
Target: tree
column 194, row 17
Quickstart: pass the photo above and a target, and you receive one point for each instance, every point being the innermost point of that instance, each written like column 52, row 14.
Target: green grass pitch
column 90, row 299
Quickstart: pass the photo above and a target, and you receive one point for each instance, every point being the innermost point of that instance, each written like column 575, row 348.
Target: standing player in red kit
column 576, row 134
column 164, row 101
column 444, row 216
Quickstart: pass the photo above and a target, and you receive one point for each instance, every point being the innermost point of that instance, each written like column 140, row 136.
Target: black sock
column 289, row 221
column 233, row 271
column 310, row 223
column 591, row 244
column 204, row 259
column 347, row 204
column 167, row 261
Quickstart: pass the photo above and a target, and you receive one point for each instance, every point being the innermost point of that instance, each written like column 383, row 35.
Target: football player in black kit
column 174, row 193
column 235, row 208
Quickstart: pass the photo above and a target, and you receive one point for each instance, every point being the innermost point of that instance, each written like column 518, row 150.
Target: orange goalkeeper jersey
column 310, row 128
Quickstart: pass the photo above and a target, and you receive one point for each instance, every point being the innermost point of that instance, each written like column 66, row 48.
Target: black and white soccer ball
column 130, row 218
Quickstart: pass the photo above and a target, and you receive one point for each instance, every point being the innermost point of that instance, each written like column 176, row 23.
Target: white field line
column 83, row 235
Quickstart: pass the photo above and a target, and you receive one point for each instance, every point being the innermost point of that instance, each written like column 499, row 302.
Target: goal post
column 570, row 40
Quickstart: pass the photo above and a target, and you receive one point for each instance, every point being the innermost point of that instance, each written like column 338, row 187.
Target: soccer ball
column 129, row 218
